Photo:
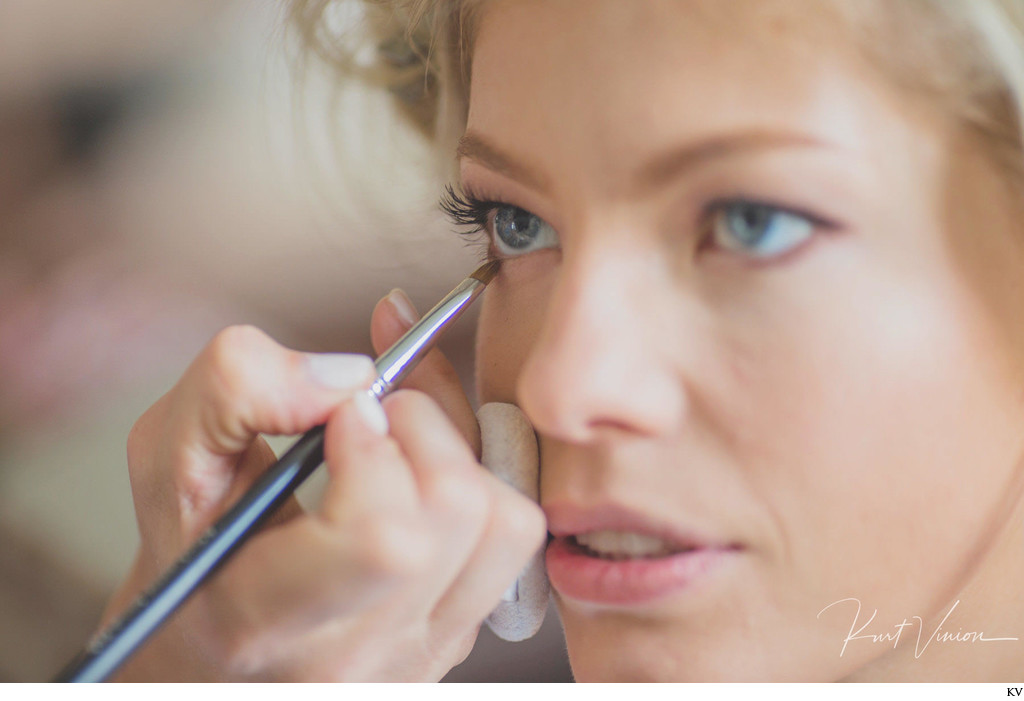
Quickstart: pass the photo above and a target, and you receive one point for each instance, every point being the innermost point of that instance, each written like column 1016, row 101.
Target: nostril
column 608, row 426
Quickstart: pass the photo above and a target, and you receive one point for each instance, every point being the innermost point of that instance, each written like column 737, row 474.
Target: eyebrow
column 659, row 170
column 474, row 147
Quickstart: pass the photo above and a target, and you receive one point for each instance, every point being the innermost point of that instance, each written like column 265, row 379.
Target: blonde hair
column 417, row 50
column 967, row 53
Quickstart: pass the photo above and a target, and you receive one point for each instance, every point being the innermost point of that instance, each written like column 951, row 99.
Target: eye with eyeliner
column 727, row 223
column 720, row 203
column 499, row 230
column 733, row 223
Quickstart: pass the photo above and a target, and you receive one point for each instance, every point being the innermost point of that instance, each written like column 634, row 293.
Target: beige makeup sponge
column 509, row 450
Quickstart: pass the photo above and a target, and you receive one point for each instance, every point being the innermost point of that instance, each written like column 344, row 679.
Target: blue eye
column 759, row 230
column 517, row 231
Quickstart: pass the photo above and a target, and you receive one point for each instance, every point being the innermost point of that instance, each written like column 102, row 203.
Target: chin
column 613, row 647
column 607, row 648
column 628, row 663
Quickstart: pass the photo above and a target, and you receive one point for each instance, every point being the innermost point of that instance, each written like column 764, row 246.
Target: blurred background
column 163, row 174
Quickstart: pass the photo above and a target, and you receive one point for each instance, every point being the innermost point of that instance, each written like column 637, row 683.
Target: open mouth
column 625, row 545
column 625, row 568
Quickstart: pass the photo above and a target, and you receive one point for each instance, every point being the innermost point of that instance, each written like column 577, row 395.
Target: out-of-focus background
column 162, row 176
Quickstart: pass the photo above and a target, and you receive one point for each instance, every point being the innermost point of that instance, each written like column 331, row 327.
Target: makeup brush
column 112, row 647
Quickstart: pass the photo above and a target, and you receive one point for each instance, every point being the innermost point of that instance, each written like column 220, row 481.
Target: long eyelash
column 473, row 214
column 465, row 210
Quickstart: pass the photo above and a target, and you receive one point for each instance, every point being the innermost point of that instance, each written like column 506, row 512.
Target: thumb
column 393, row 316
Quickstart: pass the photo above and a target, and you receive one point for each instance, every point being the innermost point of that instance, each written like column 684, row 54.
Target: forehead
column 616, row 79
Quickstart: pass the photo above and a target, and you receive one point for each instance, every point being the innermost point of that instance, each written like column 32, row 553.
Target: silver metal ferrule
column 399, row 360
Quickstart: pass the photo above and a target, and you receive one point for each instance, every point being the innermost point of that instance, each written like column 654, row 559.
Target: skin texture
column 849, row 413
column 388, row 579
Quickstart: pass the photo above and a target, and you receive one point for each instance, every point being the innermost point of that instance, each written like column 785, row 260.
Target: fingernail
column 404, row 306
column 372, row 412
column 340, row 370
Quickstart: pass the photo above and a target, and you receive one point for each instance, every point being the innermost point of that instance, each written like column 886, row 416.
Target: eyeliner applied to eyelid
column 472, row 216
column 663, row 168
column 498, row 229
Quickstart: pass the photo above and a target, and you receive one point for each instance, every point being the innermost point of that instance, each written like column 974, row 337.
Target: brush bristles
column 486, row 272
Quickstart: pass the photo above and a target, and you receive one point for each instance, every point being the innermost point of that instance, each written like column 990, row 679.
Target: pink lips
column 578, row 574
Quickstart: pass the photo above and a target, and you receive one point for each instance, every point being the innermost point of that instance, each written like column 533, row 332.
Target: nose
column 603, row 360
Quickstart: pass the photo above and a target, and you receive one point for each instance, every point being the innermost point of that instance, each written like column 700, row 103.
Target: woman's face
column 761, row 308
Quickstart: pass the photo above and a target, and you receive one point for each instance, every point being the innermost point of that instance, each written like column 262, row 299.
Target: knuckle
column 390, row 549
column 142, row 450
column 457, row 492
column 146, row 432
column 471, row 502
column 139, row 442
column 227, row 356
column 242, row 335
column 519, row 519
column 404, row 405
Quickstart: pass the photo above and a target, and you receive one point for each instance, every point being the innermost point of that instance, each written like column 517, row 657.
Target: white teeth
column 623, row 544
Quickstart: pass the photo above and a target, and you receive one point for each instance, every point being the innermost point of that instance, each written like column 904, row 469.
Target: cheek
column 511, row 315
column 880, row 430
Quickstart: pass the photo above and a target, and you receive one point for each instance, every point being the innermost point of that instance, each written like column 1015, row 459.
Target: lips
column 615, row 556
